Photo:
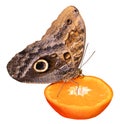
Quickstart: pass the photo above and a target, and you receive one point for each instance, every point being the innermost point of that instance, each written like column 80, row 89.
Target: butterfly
column 56, row 56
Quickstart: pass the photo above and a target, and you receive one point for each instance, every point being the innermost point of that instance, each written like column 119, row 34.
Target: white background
column 23, row 22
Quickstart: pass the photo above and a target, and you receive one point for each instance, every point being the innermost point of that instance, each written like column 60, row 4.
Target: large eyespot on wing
column 41, row 65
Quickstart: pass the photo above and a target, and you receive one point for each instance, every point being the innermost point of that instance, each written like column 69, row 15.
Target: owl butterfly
column 56, row 56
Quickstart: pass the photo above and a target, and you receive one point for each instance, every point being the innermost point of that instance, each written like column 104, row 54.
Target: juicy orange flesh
column 87, row 91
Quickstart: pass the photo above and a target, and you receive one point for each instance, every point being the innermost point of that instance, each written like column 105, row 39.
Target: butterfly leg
column 77, row 89
column 59, row 91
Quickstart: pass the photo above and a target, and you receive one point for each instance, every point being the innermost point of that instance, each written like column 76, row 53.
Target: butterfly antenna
column 87, row 59
column 84, row 54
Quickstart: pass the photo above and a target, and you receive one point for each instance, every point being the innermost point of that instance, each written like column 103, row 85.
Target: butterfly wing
column 56, row 56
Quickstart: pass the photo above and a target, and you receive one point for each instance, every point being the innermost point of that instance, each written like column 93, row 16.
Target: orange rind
column 82, row 98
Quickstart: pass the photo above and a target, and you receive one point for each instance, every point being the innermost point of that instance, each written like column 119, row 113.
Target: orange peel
column 86, row 98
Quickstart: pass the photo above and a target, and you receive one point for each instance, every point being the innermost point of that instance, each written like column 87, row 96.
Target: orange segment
column 86, row 98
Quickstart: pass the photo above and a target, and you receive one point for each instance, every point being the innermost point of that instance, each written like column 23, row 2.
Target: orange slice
column 86, row 98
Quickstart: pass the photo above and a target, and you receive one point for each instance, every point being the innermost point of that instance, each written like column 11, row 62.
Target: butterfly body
column 56, row 56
